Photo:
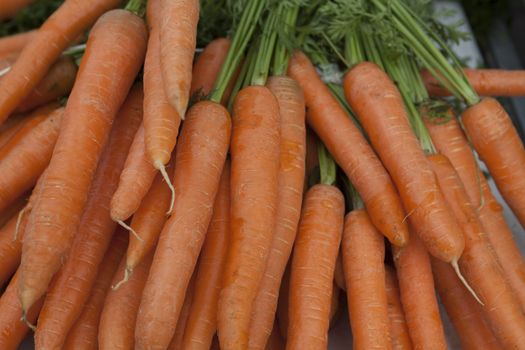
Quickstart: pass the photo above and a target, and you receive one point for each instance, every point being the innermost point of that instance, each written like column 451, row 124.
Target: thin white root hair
column 127, row 275
column 19, row 221
column 455, row 266
column 164, row 174
column 26, row 321
column 133, row 232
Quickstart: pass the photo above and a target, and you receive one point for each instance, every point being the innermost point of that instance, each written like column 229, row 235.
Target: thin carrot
column 10, row 248
column 361, row 165
column 71, row 287
column 200, row 157
column 178, row 336
column 463, row 310
column 311, row 280
column 53, row 37
column 84, row 333
column 372, row 96
column 202, row 319
column 16, row 42
column 479, row 263
column 363, row 250
column 398, row 324
column 418, row 297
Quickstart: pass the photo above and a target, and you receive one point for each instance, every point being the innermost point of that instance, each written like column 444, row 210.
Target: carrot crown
column 138, row 7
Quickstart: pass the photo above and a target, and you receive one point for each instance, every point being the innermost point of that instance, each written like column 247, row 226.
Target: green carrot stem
column 281, row 54
column 351, row 192
column 243, row 74
column 327, row 166
column 138, row 7
column 265, row 52
column 353, row 47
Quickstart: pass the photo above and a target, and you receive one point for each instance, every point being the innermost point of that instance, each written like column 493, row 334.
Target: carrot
column 361, row 165
column 398, row 324
column 290, row 190
column 498, row 144
column 69, row 292
column 486, row 82
column 27, row 153
column 254, row 184
column 372, row 96
column 10, row 248
column 84, row 333
column 479, row 263
column 463, row 310
column 200, row 157
column 178, row 336
column 16, row 42
column 59, row 31
column 12, row 330
column 363, row 250
column 418, row 298
column 13, row 208
column 202, row 319
column 118, row 33
column 178, row 38
column 9, row 8
column 117, row 321
column 311, row 280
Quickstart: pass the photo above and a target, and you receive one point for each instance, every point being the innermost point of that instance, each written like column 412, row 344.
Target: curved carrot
column 379, row 106
column 178, row 336
column 16, row 42
column 498, row 144
column 84, row 333
column 418, row 297
column 290, row 190
column 398, row 324
column 53, row 37
column 363, row 263
column 200, row 157
column 351, row 151
column 254, row 194
column 463, row 310
column 202, row 319
column 71, row 287
column 479, row 263
column 311, row 280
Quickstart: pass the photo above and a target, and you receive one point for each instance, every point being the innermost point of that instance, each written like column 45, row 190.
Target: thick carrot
column 72, row 286
column 200, row 157
column 27, row 153
column 100, row 88
column 379, row 106
column 254, row 194
column 351, row 151
column 53, row 37
column 398, row 324
column 290, row 195
column 178, row 336
column 479, row 263
column 178, row 38
column 363, row 250
column 9, row 8
column 84, row 333
column 463, row 310
column 498, row 144
column 117, row 321
column 12, row 329
column 16, row 42
column 418, row 297
column 311, row 280
column 202, row 319
column 486, row 82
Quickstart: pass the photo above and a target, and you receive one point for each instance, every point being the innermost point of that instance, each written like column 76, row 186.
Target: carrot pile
column 236, row 174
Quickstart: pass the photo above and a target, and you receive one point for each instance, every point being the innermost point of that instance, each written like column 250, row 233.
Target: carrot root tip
column 26, row 321
column 130, row 229
column 164, row 174
column 18, row 221
column 455, row 265
column 127, row 274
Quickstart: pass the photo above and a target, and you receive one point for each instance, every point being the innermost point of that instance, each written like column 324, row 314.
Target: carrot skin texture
column 73, row 283
column 202, row 320
column 311, row 279
column 207, row 66
column 363, row 250
column 288, row 211
column 16, row 42
column 463, row 310
column 200, row 157
column 254, row 187
column 178, row 336
column 10, row 248
column 60, row 29
column 479, row 263
column 379, row 106
column 398, row 324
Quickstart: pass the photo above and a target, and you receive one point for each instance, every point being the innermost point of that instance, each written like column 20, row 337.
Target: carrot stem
column 138, row 7
column 239, row 83
column 282, row 51
column 327, row 166
column 266, row 48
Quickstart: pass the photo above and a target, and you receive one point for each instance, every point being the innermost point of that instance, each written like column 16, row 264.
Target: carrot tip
column 455, row 265
column 26, row 321
column 164, row 174
column 133, row 232
column 127, row 274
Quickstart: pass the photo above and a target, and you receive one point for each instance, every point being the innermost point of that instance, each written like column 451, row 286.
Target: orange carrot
column 398, row 324
column 178, row 336
column 418, row 297
column 200, row 157
column 479, row 263
column 10, row 248
column 202, row 319
column 363, row 263
column 53, row 37
column 463, row 310
column 351, row 151
column 290, row 190
column 13, row 208
column 254, row 195
column 69, row 292
column 84, row 333
column 57, row 209
column 16, row 42
column 372, row 96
